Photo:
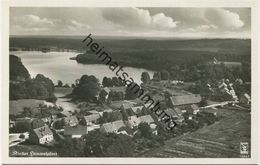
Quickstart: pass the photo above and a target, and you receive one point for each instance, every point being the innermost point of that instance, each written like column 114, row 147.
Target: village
column 46, row 124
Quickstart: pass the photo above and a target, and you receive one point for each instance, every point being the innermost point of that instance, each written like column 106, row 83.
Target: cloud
column 126, row 21
column 33, row 21
column 206, row 27
column 224, row 18
column 136, row 18
column 75, row 25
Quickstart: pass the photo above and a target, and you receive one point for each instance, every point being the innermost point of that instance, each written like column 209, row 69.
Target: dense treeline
column 204, row 72
column 40, row 87
column 148, row 53
column 23, row 87
column 160, row 59
column 17, row 69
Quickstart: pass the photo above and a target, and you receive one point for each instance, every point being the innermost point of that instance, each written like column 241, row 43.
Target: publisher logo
column 244, row 148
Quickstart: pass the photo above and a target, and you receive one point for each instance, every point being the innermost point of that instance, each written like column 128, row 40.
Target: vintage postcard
column 112, row 82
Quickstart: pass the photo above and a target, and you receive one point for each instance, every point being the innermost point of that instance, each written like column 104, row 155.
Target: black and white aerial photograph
column 129, row 82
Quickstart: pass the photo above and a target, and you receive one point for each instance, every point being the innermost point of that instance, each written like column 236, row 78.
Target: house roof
column 194, row 107
column 118, row 104
column 178, row 110
column 147, row 118
column 185, row 99
column 171, row 112
column 93, row 112
column 118, row 89
column 106, row 89
column 78, row 130
column 73, row 119
column 133, row 120
column 127, row 105
column 137, row 108
column 108, row 110
column 247, row 96
column 108, row 127
column 118, row 124
column 113, row 126
column 42, row 131
column 92, row 117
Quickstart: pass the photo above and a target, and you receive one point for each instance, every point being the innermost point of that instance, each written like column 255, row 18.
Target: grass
column 220, row 140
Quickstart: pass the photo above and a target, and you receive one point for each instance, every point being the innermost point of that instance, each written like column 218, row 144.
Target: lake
column 58, row 66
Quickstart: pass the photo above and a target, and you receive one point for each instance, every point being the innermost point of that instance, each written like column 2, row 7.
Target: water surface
column 58, row 66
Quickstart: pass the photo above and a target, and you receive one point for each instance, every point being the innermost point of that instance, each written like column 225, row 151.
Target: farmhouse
column 245, row 99
column 76, row 132
column 42, row 135
column 133, row 121
column 194, row 109
column 146, row 119
column 90, row 119
column 137, row 109
column 184, row 101
column 71, row 121
column 112, row 127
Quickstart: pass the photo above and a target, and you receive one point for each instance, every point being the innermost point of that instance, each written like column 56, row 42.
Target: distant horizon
column 128, row 37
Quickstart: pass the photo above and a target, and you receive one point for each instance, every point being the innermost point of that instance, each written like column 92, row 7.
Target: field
column 219, row 140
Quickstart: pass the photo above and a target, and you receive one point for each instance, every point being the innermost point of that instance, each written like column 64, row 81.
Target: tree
column 60, row 84
column 165, row 75
column 72, row 147
column 122, row 146
column 145, row 77
column 105, row 82
column 87, row 89
column 115, row 81
column 40, row 87
column 108, row 145
column 17, row 70
column 145, row 130
column 131, row 93
column 157, row 76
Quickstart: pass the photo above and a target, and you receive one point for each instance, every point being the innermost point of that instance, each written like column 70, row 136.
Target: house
column 105, row 111
column 126, row 106
column 175, row 114
column 42, row 135
column 118, row 89
column 46, row 119
column 26, row 124
column 76, row 132
column 146, row 119
column 194, row 109
column 245, row 99
column 137, row 109
column 37, row 123
column 133, row 121
column 90, row 119
column 112, row 126
column 154, row 128
column 172, row 113
column 71, row 121
column 122, row 104
column 184, row 101
column 93, row 112
column 11, row 123
column 180, row 111
column 210, row 111
column 104, row 92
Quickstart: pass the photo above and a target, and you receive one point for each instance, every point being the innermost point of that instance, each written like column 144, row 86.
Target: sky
column 139, row 22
